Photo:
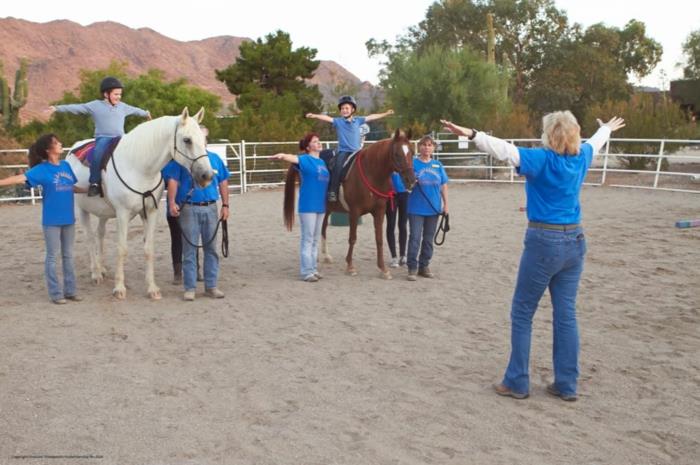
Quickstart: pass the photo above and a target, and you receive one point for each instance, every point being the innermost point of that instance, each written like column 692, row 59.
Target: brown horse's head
column 402, row 158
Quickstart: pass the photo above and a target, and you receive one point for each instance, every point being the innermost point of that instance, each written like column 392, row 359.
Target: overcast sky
column 339, row 36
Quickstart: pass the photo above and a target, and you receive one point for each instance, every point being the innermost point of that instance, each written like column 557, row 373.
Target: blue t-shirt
column 553, row 183
column 349, row 139
column 397, row 182
column 174, row 170
column 430, row 177
column 57, row 183
column 314, row 184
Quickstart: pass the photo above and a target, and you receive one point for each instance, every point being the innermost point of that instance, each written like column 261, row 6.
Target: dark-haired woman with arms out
column 57, row 180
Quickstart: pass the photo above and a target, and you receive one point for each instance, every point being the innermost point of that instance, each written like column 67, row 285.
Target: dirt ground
column 357, row 370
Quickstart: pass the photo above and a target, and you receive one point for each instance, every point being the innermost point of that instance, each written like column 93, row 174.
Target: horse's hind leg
column 324, row 244
column 148, row 248
column 379, row 239
column 122, row 249
column 95, row 275
column 100, row 253
column 351, row 245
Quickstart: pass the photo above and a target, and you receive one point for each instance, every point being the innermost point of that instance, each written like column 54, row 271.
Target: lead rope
column 443, row 225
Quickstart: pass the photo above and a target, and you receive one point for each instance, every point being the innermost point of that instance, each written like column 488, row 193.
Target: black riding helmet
column 347, row 99
column 110, row 83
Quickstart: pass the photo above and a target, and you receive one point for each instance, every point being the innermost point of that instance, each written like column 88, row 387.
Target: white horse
column 133, row 185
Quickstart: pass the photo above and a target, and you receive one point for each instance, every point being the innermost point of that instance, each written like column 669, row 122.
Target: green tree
column 691, row 50
column 443, row 83
column 526, row 30
column 268, row 79
column 646, row 117
column 592, row 66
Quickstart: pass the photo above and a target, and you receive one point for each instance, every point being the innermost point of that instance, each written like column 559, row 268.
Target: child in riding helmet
column 347, row 127
column 108, row 115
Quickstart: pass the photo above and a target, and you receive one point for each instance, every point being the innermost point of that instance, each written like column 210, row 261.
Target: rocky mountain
column 58, row 50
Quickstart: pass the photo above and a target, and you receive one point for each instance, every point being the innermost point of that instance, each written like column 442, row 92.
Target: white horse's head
column 190, row 148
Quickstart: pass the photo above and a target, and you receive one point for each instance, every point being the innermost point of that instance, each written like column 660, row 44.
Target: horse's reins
column 444, row 225
column 144, row 195
column 389, row 195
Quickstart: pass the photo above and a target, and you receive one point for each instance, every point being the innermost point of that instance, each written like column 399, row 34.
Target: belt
column 553, row 227
column 201, row 204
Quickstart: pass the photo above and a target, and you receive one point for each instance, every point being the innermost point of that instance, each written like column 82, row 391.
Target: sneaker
column 503, row 390
column 411, row 275
column 394, row 262
column 425, row 272
column 332, row 197
column 60, row 301
column 74, row 298
column 214, row 293
column 318, row 275
column 311, row 278
column 553, row 391
column 402, row 260
column 188, row 296
column 94, row 190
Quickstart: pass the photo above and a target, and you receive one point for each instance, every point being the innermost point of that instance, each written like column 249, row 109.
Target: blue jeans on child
column 310, row 233
column 59, row 240
column 551, row 259
column 101, row 146
column 198, row 224
column 421, row 230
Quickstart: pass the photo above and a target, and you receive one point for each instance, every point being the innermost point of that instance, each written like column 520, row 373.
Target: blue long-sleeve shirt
column 108, row 118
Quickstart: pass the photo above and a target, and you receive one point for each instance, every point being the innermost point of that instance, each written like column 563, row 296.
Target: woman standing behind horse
column 57, row 180
column 312, row 200
column 555, row 244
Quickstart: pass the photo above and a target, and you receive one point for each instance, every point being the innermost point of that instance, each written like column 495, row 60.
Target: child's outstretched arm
column 325, row 118
column 376, row 116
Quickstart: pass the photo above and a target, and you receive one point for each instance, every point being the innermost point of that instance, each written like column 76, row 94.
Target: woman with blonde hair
column 555, row 244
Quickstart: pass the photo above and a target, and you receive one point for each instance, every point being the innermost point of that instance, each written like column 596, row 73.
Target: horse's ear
column 397, row 134
column 200, row 115
column 409, row 134
column 185, row 114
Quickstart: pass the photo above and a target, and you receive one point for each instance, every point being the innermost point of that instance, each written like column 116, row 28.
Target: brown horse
column 366, row 189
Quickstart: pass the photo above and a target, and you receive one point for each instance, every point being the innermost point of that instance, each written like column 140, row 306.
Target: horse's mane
column 148, row 136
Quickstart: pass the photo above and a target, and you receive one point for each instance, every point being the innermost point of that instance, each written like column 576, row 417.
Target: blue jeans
column 310, row 233
column 198, row 224
column 101, row 146
column 59, row 240
column 420, row 238
column 551, row 259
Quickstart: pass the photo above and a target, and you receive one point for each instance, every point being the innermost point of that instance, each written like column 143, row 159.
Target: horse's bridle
column 177, row 150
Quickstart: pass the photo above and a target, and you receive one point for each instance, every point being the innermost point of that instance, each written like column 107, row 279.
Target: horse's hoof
column 119, row 293
column 385, row 275
column 97, row 280
column 351, row 272
column 155, row 295
column 328, row 260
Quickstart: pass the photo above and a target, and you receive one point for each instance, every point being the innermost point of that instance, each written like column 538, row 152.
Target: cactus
column 491, row 44
column 13, row 101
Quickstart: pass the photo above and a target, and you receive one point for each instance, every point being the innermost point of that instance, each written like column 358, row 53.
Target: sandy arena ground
column 357, row 370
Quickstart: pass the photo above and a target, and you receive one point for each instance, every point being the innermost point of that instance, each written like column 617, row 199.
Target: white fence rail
column 673, row 165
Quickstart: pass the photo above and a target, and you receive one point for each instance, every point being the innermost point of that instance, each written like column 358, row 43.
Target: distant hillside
column 58, row 50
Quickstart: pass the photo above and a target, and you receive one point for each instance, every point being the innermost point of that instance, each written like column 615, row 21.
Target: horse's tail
column 289, row 196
